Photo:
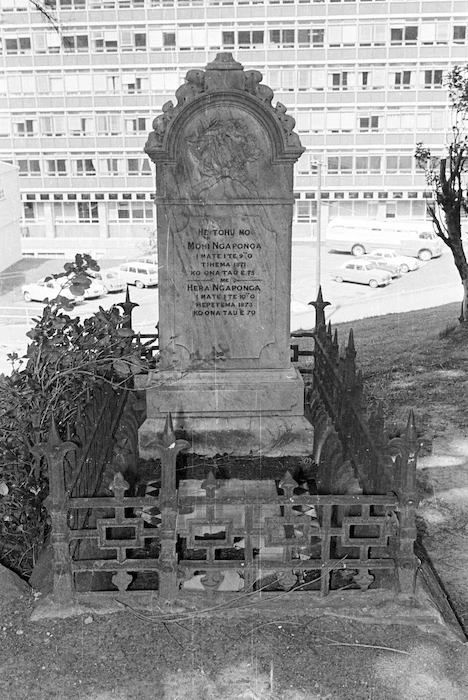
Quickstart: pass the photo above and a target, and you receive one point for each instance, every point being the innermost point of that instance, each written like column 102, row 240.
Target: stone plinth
column 224, row 184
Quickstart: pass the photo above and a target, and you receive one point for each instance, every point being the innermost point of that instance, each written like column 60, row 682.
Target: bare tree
column 446, row 176
column 47, row 10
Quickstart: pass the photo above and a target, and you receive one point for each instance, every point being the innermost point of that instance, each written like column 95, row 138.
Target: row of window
column 119, row 166
column 307, row 121
column 88, row 212
column 370, row 164
column 163, row 82
column 87, row 166
column 57, row 83
column 305, row 211
column 199, row 38
column 23, row 5
column 73, row 125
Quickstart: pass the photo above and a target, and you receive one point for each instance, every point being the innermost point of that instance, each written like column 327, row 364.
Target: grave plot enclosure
column 224, row 190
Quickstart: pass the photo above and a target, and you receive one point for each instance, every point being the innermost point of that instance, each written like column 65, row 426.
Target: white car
column 151, row 259
column 404, row 262
column 95, row 290
column 363, row 273
column 47, row 289
column 110, row 280
column 138, row 273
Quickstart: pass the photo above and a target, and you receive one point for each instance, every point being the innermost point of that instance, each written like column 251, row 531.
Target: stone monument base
column 248, row 412
column 264, row 436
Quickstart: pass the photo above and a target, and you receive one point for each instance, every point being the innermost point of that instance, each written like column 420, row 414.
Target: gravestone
column 224, row 192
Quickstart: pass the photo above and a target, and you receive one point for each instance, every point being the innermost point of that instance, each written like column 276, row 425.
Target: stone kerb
column 224, row 193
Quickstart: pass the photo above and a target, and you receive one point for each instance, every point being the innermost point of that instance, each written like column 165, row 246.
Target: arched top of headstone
column 224, row 82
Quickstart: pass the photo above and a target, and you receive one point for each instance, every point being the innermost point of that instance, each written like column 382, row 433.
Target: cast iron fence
column 357, row 530
column 224, row 536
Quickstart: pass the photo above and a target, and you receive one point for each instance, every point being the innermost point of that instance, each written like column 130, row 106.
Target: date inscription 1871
column 225, row 275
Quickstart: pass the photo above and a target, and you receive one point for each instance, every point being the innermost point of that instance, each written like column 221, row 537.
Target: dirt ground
column 282, row 655
column 255, row 656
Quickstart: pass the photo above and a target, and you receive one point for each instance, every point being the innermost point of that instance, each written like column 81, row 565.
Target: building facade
column 10, row 216
column 362, row 78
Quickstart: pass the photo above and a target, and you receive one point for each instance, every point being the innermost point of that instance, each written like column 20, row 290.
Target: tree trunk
column 462, row 267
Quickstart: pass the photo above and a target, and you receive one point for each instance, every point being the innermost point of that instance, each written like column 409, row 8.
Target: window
column 341, row 81
column 83, row 166
column 132, row 84
column 135, row 125
column 399, row 164
column 46, row 42
column 368, row 123
column 404, row 35
column 340, row 164
column 342, row 35
column 20, row 44
column 339, row 121
column 88, row 212
column 133, row 40
column 29, row 211
column 227, row 40
column 111, row 166
column 75, row 43
column 459, row 34
column 138, row 166
column 306, row 211
column 72, row 4
column 78, row 83
column 402, row 80
column 368, row 164
column 53, row 125
column 283, row 38
column 400, row 121
column 434, row 33
column 169, row 40
column 80, row 125
column 29, row 167
column 433, row 79
column 310, row 121
column 109, row 124
column 250, row 39
column 105, row 40
column 131, row 211
column 5, row 129
column 372, row 35
column 57, row 167
column 24, row 127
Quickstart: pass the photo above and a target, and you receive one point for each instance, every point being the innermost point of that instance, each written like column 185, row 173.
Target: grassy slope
column 416, row 360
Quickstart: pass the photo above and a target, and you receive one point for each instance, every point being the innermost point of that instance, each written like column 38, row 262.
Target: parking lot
column 435, row 283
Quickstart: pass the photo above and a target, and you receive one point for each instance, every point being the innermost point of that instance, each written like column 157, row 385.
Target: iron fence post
column 168, row 450
column 54, row 451
column 407, row 448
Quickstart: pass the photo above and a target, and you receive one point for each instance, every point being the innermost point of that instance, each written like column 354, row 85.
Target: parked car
column 138, row 273
column 406, row 263
column 109, row 280
column 151, row 259
column 95, row 290
column 363, row 273
column 384, row 264
column 47, row 289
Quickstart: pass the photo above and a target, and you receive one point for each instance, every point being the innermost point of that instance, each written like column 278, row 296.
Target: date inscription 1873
column 225, row 272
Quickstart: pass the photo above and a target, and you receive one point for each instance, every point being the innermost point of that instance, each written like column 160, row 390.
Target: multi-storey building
column 10, row 215
column 362, row 78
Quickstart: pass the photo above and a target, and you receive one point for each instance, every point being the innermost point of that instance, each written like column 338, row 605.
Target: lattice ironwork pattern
column 236, row 535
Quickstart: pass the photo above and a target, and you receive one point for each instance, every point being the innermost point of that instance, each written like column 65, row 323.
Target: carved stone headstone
column 224, row 183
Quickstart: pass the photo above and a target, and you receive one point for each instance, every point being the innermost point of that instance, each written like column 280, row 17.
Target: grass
column 416, row 360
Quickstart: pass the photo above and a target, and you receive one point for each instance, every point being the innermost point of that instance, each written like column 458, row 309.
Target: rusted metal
column 215, row 536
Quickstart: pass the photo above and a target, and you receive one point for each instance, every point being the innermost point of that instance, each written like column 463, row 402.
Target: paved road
column 434, row 284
